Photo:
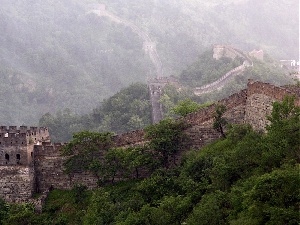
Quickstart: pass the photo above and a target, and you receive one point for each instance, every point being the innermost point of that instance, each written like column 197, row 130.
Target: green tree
column 185, row 107
column 21, row 214
column 86, row 153
column 101, row 209
column 282, row 139
column 211, row 210
column 167, row 139
column 219, row 120
column 268, row 199
column 3, row 210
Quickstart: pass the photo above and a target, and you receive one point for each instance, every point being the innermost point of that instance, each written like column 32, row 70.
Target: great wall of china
column 30, row 164
column 230, row 52
column 156, row 85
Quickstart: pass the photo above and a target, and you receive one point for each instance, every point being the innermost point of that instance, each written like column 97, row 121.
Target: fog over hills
column 55, row 55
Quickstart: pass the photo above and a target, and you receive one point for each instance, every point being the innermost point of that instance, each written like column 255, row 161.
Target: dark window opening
column 31, row 154
column 7, row 158
column 18, row 158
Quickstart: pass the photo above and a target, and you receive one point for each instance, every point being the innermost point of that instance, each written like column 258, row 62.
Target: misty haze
column 164, row 112
column 61, row 54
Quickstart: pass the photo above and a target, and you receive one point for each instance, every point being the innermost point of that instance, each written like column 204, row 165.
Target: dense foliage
column 94, row 152
column 166, row 139
column 246, row 178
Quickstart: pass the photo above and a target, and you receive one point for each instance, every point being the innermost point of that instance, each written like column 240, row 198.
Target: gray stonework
column 40, row 167
column 17, row 176
column 259, row 106
column 17, row 183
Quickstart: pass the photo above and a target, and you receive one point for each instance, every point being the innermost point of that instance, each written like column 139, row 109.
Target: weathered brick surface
column 17, row 183
column 48, row 165
column 260, row 99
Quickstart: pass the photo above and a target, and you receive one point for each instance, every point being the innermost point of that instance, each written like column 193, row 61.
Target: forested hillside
column 53, row 55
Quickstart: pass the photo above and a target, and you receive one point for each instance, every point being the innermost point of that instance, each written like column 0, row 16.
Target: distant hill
column 55, row 56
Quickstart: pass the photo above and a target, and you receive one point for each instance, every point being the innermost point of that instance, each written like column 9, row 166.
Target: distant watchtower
column 258, row 54
column 149, row 46
column 218, row 51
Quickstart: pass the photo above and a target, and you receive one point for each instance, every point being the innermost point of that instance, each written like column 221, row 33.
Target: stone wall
column 235, row 105
column 131, row 138
column 48, row 166
column 259, row 102
column 14, row 155
column 250, row 105
column 16, row 144
column 17, row 183
column 200, row 124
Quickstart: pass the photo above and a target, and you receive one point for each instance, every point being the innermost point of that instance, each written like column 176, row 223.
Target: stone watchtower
column 16, row 160
column 149, row 46
column 16, row 145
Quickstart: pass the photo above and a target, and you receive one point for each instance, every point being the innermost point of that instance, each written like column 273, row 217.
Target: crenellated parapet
column 13, row 135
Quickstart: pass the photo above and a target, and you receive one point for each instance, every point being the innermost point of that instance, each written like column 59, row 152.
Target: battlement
column 278, row 93
column 16, row 144
column 23, row 135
